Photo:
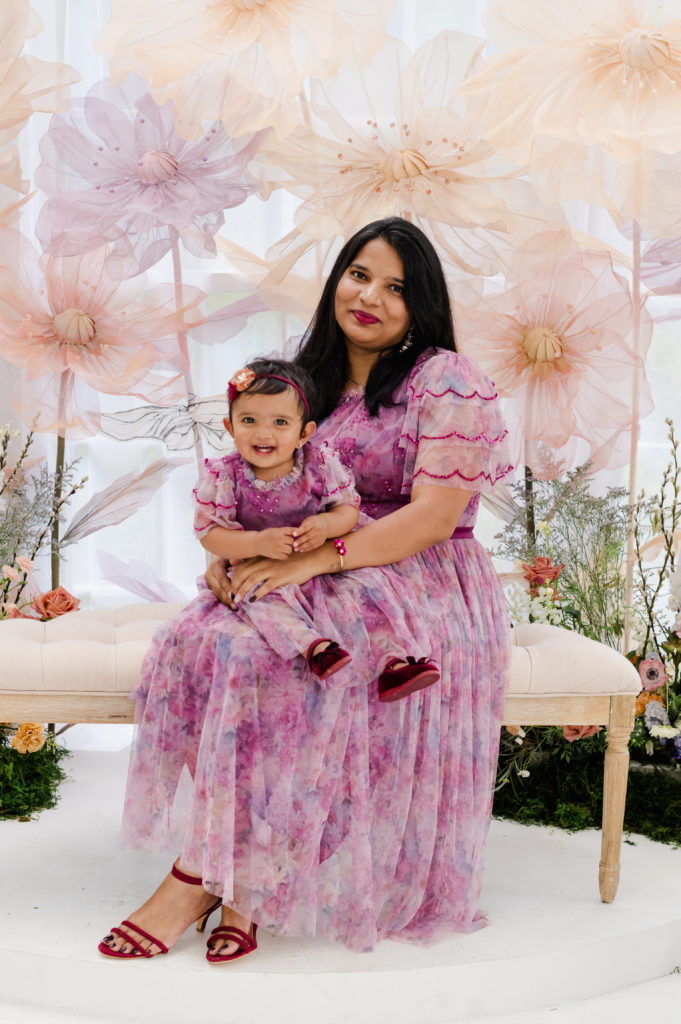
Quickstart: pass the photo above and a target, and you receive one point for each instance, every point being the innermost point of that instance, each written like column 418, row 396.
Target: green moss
column 30, row 782
column 570, row 796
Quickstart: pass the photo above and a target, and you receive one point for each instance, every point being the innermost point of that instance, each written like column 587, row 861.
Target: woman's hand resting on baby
column 230, row 586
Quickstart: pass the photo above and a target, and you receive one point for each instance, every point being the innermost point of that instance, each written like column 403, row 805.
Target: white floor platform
column 552, row 951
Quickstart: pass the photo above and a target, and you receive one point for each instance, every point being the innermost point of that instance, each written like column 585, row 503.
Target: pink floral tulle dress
column 320, row 811
column 293, row 618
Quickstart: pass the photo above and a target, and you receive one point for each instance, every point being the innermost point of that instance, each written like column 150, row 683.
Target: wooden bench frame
column 615, row 712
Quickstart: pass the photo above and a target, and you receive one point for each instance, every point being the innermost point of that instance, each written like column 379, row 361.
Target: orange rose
column 28, row 738
column 541, row 573
column 54, row 603
column 579, row 732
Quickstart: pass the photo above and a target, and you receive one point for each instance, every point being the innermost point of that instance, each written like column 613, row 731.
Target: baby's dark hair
column 268, row 374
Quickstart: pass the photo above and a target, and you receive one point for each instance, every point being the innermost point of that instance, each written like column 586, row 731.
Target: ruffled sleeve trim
column 214, row 497
column 453, row 432
column 338, row 482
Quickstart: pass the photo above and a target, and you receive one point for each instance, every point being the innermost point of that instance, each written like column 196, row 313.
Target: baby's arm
column 314, row 530
column 274, row 542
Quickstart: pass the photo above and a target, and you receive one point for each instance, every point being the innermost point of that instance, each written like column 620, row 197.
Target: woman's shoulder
column 439, row 372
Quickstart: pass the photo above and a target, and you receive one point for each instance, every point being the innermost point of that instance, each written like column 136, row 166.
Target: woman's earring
column 408, row 339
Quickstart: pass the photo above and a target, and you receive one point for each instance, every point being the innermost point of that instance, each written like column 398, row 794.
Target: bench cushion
column 100, row 652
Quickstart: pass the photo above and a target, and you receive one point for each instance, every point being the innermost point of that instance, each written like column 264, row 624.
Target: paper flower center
column 404, row 163
column 156, row 166
column 248, row 5
column 541, row 345
column 642, row 48
column 74, row 327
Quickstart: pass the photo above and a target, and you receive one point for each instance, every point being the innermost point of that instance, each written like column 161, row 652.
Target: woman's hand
column 298, row 568
column 219, row 583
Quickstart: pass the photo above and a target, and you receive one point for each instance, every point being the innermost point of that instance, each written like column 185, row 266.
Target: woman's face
column 369, row 303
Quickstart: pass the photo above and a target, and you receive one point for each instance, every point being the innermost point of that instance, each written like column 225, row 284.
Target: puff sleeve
column 338, row 482
column 453, row 433
column 214, row 498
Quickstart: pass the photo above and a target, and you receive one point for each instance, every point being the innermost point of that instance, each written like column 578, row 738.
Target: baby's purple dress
column 292, row 618
column 326, row 812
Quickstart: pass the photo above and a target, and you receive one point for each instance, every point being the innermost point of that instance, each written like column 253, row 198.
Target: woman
column 328, row 812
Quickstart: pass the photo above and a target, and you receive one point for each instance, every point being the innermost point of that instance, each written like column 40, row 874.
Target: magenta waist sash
column 463, row 533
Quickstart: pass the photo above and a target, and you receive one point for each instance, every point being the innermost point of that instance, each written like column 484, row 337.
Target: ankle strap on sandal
column 189, row 879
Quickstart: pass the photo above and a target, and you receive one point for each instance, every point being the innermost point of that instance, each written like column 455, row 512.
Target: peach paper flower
column 27, row 85
column 558, row 347
column 117, row 172
column 76, row 332
column 55, row 603
column 28, row 738
column 239, row 61
column 393, row 140
column 579, row 732
column 607, row 73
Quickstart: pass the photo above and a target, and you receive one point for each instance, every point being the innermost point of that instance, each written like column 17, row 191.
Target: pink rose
column 652, row 674
column 10, row 573
column 579, row 732
column 25, row 564
column 54, row 603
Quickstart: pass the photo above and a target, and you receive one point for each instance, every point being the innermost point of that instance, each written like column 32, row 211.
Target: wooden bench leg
column 615, row 773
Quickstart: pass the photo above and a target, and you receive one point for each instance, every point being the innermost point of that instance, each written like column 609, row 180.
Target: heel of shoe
column 203, row 920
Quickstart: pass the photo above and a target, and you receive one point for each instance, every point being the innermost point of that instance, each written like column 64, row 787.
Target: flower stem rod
column 530, row 525
column 182, row 337
column 635, row 433
column 58, row 476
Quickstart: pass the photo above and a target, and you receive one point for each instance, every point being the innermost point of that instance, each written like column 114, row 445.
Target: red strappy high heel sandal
column 326, row 662
column 246, row 940
column 400, row 678
column 139, row 951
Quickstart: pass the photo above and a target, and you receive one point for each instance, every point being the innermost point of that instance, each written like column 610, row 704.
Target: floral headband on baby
column 242, row 380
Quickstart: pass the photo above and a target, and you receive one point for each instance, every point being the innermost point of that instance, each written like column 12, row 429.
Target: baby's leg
column 284, row 619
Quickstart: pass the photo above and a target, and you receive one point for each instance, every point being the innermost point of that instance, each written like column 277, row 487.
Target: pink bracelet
column 340, row 547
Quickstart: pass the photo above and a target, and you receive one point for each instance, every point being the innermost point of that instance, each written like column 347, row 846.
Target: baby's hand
column 310, row 534
column 276, row 542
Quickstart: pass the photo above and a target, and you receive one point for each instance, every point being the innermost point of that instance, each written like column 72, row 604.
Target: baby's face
column 267, row 430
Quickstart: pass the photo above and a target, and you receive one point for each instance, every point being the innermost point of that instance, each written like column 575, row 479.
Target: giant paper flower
column 27, row 84
column 558, row 346
column 117, row 172
column 392, row 140
column 76, row 332
column 606, row 73
column 239, row 61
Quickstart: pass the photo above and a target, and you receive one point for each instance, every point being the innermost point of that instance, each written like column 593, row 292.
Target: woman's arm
column 430, row 517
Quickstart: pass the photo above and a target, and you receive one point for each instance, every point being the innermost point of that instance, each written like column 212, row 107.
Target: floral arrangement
column 569, row 547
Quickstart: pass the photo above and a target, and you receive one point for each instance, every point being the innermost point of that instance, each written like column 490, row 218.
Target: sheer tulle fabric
column 559, row 346
column 76, row 333
column 322, row 811
column 242, row 61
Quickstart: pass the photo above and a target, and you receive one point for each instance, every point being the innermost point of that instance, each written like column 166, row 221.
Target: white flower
column 664, row 731
column 675, row 590
column 523, row 773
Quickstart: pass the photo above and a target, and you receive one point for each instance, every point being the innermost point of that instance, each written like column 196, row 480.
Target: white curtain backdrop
column 161, row 532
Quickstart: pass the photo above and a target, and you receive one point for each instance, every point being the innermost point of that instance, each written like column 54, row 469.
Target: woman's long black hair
column 323, row 352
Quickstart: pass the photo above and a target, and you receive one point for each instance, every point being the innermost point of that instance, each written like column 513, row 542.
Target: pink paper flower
column 652, row 673
column 558, row 347
column 391, row 140
column 117, row 172
column 27, row 84
column 578, row 72
column 242, row 62
column 77, row 333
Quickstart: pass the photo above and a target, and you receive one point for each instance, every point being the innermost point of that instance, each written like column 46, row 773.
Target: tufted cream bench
column 80, row 668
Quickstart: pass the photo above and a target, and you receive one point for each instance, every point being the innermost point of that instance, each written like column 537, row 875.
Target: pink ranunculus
column 25, row 564
column 117, row 173
column 77, row 332
column 652, row 673
column 579, row 732
column 10, row 573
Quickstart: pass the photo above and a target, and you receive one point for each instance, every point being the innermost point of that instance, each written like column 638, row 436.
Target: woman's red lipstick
column 364, row 318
